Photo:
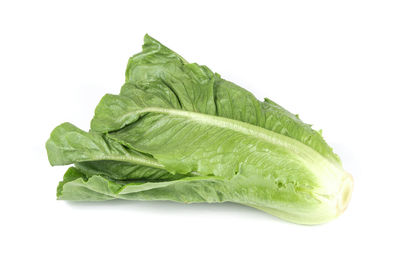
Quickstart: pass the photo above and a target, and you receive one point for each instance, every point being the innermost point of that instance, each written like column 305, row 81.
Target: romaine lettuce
column 177, row 131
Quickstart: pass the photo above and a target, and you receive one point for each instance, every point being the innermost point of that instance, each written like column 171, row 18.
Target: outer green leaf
column 69, row 144
column 95, row 154
column 77, row 186
column 158, row 77
column 118, row 170
column 192, row 84
column 274, row 171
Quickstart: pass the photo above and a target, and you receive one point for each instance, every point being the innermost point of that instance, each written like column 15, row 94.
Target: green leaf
column 69, row 144
column 272, row 168
column 77, row 186
column 125, row 171
column 95, row 154
column 192, row 84
column 158, row 77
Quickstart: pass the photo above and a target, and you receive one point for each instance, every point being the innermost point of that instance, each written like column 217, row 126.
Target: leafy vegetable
column 177, row 131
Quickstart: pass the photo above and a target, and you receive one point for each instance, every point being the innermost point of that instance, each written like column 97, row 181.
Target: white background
column 336, row 63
